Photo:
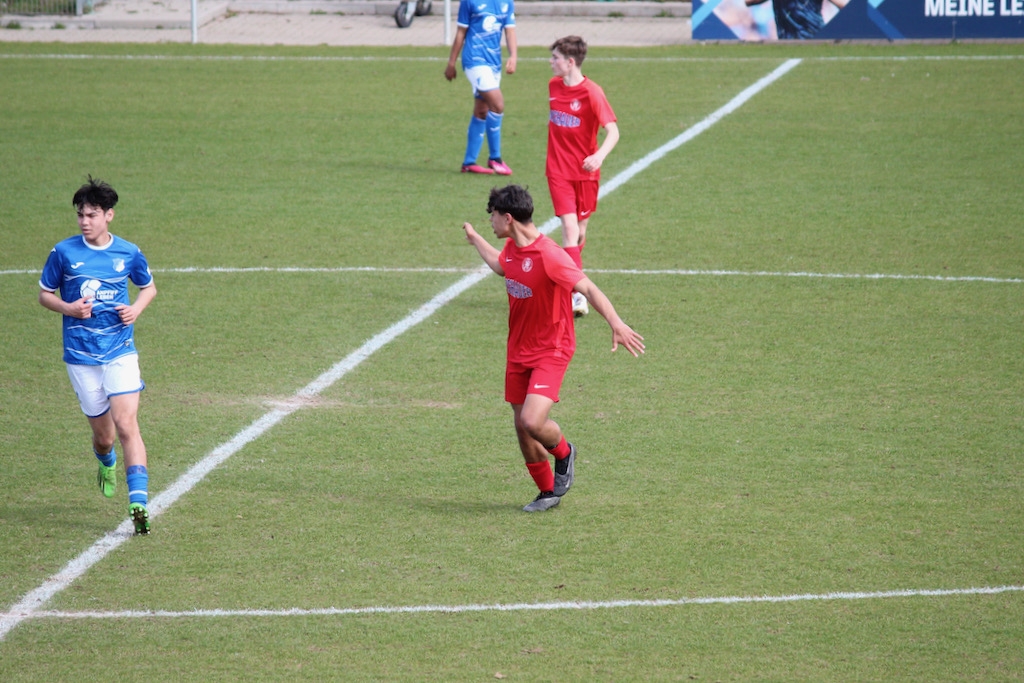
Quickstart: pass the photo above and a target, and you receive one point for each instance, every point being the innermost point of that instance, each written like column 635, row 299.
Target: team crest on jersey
column 575, row 105
column 527, row 265
column 118, row 264
column 504, row 7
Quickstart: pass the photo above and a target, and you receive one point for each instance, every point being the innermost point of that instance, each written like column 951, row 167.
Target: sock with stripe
column 108, row 460
column 138, row 484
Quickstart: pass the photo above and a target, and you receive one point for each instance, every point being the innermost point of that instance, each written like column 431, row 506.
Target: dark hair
column 511, row 199
column 571, row 47
column 95, row 193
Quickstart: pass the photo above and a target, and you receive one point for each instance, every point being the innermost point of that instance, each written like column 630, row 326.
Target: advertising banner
column 856, row 19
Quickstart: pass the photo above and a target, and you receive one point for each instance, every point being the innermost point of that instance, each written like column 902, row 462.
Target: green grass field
column 815, row 473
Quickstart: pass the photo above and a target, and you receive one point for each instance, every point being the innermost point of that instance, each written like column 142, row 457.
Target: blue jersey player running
column 85, row 279
column 478, row 38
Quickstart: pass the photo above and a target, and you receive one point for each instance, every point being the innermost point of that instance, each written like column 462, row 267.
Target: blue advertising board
column 856, row 19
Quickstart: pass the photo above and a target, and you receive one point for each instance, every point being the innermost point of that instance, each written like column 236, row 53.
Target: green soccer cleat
column 107, row 480
column 140, row 517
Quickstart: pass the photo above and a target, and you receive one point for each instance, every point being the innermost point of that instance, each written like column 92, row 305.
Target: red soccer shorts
column 573, row 196
column 544, row 378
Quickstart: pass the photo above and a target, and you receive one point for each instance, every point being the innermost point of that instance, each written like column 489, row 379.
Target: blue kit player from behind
column 478, row 38
column 85, row 279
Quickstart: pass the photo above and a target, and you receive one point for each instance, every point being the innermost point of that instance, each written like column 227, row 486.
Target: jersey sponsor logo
column 527, row 264
column 490, row 24
column 89, row 288
column 564, row 120
column 517, row 290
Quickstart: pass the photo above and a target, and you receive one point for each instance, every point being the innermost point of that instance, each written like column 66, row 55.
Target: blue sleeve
column 140, row 274
column 464, row 9
column 53, row 272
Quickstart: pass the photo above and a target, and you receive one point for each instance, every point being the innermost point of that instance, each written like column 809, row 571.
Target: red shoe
column 498, row 166
column 473, row 168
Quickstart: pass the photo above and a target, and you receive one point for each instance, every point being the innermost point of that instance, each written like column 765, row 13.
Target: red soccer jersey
column 577, row 112
column 539, row 279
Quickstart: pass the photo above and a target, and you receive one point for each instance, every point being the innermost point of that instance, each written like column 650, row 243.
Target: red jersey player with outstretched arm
column 539, row 278
column 579, row 109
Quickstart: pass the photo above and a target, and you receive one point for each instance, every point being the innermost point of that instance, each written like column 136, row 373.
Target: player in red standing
column 578, row 109
column 539, row 277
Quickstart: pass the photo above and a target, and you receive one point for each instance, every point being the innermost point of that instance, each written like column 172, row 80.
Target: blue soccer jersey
column 80, row 270
column 485, row 21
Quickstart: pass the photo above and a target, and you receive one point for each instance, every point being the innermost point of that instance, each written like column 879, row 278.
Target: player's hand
column 81, row 309
column 128, row 314
column 510, row 65
column 592, row 163
column 633, row 342
column 471, row 233
column 449, row 72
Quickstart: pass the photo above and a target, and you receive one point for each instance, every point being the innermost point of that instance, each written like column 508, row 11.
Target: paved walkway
column 346, row 22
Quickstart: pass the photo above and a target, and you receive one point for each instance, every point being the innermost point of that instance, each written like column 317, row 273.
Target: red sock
column 576, row 254
column 542, row 475
column 561, row 450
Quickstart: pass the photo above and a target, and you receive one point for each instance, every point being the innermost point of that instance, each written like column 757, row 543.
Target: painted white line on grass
column 547, row 227
column 734, row 104
column 34, row 600
column 836, row 276
column 378, row 58
column 523, row 607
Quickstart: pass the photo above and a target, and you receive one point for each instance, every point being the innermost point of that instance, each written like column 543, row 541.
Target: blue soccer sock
column 493, row 122
column 474, row 139
column 138, row 484
column 108, row 460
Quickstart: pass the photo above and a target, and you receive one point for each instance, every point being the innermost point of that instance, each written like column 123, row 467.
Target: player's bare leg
column 539, row 438
column 124, row 412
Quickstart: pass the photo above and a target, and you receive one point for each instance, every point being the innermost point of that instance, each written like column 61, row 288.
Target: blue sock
column 138, row 484
column 493, row 122
column 108, row 460
column 474, row 139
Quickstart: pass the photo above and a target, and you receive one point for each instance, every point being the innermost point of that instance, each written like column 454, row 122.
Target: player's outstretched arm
column 487, row 252
column 621, row 332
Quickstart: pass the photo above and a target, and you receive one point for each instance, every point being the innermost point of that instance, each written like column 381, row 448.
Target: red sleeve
column 559, row 265
column 602, row 108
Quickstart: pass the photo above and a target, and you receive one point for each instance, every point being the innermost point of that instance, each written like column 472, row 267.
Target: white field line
column 547, row 227
column 521, row 607
column 37, row 598
column 377, row 58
